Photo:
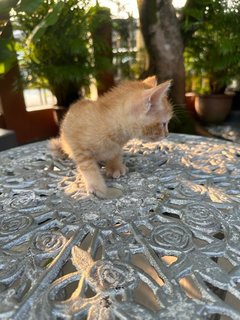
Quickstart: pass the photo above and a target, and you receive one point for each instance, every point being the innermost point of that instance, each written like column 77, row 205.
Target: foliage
column 7, row 55
column 124, row 44
column 212, row 53
column 56, row 48
column 7, row 42
column 59, row 45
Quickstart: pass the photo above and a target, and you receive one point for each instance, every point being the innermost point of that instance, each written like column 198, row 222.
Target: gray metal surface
column 168, row 249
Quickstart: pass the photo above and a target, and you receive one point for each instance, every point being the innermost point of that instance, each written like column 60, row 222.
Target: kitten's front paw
column 117, row 172
column 108, row 193
column 99, row 192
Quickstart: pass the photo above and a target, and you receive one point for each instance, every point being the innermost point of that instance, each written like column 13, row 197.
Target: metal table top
column 169, row 248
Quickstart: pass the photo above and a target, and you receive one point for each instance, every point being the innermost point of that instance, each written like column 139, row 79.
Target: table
column 169, row 248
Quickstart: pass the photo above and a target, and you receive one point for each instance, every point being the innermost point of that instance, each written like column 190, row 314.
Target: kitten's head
column 153, row 109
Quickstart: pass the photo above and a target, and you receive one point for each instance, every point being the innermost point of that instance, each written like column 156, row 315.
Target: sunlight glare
column 179, row 3
column 129, row 7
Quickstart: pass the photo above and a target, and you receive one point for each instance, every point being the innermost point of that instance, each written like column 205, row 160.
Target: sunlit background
column 130, row 7
column 99, row 48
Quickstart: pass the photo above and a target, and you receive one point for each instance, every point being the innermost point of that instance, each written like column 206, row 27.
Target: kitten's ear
column 155, row 95
column 151, row 81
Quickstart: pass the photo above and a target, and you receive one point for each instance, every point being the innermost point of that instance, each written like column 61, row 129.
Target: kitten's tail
column 55, row 147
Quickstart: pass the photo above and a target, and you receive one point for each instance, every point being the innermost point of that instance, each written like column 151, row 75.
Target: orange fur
column 94, row 131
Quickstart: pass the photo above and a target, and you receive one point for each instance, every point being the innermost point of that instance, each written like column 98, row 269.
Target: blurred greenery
column 7, row 42
column 211, row 31
column 55, row 48
column 59, row 47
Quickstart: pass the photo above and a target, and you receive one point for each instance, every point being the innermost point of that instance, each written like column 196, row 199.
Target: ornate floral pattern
column 202, row 217
column 171, row 237
column 113, row 275
column 167, row 249
column 47, row 242
column 13, row 225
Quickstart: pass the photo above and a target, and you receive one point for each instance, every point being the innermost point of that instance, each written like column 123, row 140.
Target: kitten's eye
column 164, row 124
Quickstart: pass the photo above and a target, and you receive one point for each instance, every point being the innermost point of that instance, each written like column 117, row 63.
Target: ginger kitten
column 94, row 131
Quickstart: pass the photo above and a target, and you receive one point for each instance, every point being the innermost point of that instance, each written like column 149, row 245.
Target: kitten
column 94, row 131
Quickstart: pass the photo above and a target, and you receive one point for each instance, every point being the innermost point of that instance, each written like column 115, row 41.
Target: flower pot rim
column 190, row 94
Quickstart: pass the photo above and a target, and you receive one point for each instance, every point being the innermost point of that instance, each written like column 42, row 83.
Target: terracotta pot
column 190, row 103
column 213, row 108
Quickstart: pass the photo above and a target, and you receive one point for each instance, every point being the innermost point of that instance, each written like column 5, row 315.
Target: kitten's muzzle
column 156, row 132
column 157, row 138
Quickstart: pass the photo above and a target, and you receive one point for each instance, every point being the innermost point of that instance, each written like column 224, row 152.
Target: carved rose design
column 113, row 275
column 19, row 200
column 13, row 225
column 171, row 237
column 201, row 217
column 48, row 241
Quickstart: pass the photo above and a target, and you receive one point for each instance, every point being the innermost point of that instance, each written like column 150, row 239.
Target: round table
column 169, row 248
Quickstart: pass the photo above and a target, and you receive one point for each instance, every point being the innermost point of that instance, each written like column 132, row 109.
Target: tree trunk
column 163, row 40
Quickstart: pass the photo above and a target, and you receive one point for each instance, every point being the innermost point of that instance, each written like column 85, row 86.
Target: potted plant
column 60, row 50
column 212, row 59
column 54, row 48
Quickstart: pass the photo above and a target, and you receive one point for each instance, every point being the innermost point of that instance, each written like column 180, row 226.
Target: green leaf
column 29, row 6
column 7, row 65
column 6, row 50
column 50, row 19
column 7, row 55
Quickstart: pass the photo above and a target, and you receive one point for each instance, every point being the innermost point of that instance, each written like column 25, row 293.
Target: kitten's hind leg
column 115, row 167
column 93, row 179
column 55, row 148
